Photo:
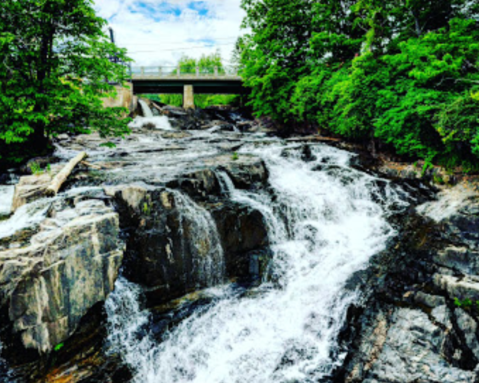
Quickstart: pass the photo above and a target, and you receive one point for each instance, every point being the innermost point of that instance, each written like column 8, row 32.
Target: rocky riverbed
column 206, row 248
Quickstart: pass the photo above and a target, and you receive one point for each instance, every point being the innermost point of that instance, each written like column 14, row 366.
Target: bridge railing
column 184, row 71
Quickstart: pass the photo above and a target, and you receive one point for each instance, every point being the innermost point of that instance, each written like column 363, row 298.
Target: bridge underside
column 171, row 86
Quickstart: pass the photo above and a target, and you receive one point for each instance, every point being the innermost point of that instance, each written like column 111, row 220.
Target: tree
column 401, row 72
column 55, row 70
column 277, row 53
column 206, row 64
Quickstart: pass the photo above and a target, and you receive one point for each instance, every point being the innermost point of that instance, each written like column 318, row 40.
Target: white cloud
column 159, row 32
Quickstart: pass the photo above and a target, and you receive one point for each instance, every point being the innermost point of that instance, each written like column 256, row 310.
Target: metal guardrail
column 184, row 71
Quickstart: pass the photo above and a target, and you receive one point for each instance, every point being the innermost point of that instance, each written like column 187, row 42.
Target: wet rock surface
column 157, row 206
column 419, row 320
column 51, row 280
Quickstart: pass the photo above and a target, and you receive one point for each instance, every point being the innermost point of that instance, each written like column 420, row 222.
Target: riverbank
column 240, row 249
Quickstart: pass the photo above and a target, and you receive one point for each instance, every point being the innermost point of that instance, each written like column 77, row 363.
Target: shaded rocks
column 176, row 245
column 244, row 239
column 69, row 265
column 202, row 183
column 246, row 171
column 405, row 345
column 172, row 244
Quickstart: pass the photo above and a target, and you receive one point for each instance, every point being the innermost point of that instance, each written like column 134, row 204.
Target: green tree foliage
column 277, row 54
column 402, row 72
column 54, row 72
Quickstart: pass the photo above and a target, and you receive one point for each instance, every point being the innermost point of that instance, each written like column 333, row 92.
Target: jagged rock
column 68, row 266
column 468, row 326
column 242, row 230
column 431, row 301
column 173, row 247
column 176, row 246
column 406, row 347
column 245, row 171
column 458, row 287
column 459, row 259
column 200, row 184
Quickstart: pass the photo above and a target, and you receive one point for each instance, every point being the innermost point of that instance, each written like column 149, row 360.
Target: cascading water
column 325, row 221
column 159, row 122
column 6, row 197
column 25, row 216
column 208, row 253
column 145, row 109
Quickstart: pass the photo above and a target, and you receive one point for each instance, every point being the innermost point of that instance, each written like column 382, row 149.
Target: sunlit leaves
column 55, row 69
column 401, row 72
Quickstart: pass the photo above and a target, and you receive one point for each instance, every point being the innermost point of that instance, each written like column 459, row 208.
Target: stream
column 324, row 220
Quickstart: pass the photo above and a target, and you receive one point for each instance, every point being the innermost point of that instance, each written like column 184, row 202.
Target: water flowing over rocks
column 210, row 255
column 410, row 327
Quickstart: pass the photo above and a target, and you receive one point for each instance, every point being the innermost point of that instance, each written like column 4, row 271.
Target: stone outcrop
column 420, row 319
column 176, row 245
column 50, row 281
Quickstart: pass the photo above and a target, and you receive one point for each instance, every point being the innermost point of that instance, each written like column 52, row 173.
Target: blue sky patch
column 205, row 42
column 157, row 12
column 199, row 6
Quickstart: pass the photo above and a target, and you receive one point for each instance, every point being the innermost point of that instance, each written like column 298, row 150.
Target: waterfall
column 145, row 109
column 325, row 221
column 26, row 216
column 6, row 199
column 149, row 120
column 207, row 251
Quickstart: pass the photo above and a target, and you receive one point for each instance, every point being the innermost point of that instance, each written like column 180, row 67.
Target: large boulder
column 244, row 238
column 177, row 245
column 405, row 345
column 173, row 245
column 50, row 281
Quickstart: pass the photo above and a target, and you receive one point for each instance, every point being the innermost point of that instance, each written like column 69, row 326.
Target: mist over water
column 325, row 221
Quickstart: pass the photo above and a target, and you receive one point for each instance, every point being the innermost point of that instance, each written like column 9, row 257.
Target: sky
column 159, row 32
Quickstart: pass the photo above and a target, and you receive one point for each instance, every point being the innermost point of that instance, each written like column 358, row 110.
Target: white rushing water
column 159, row 122
column 207, row 251
column 325, row 221
column 145, row 109
column 6, row 199
column 26, row 216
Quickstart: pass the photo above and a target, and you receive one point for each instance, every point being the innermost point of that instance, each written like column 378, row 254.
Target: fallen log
column 62, row 176
column 156, row 107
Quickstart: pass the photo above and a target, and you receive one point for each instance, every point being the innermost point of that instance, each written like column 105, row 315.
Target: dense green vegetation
column 402, row 72
column 206, row 65
column 201, row 100
column 55, row 71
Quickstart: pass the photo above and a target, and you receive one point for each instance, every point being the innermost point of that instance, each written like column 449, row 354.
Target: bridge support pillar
column 188, row 97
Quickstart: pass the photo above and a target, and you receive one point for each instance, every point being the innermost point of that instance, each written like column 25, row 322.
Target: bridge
column 187, row 80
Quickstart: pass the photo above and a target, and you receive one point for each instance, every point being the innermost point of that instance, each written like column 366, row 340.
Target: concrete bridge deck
column 169, row 80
